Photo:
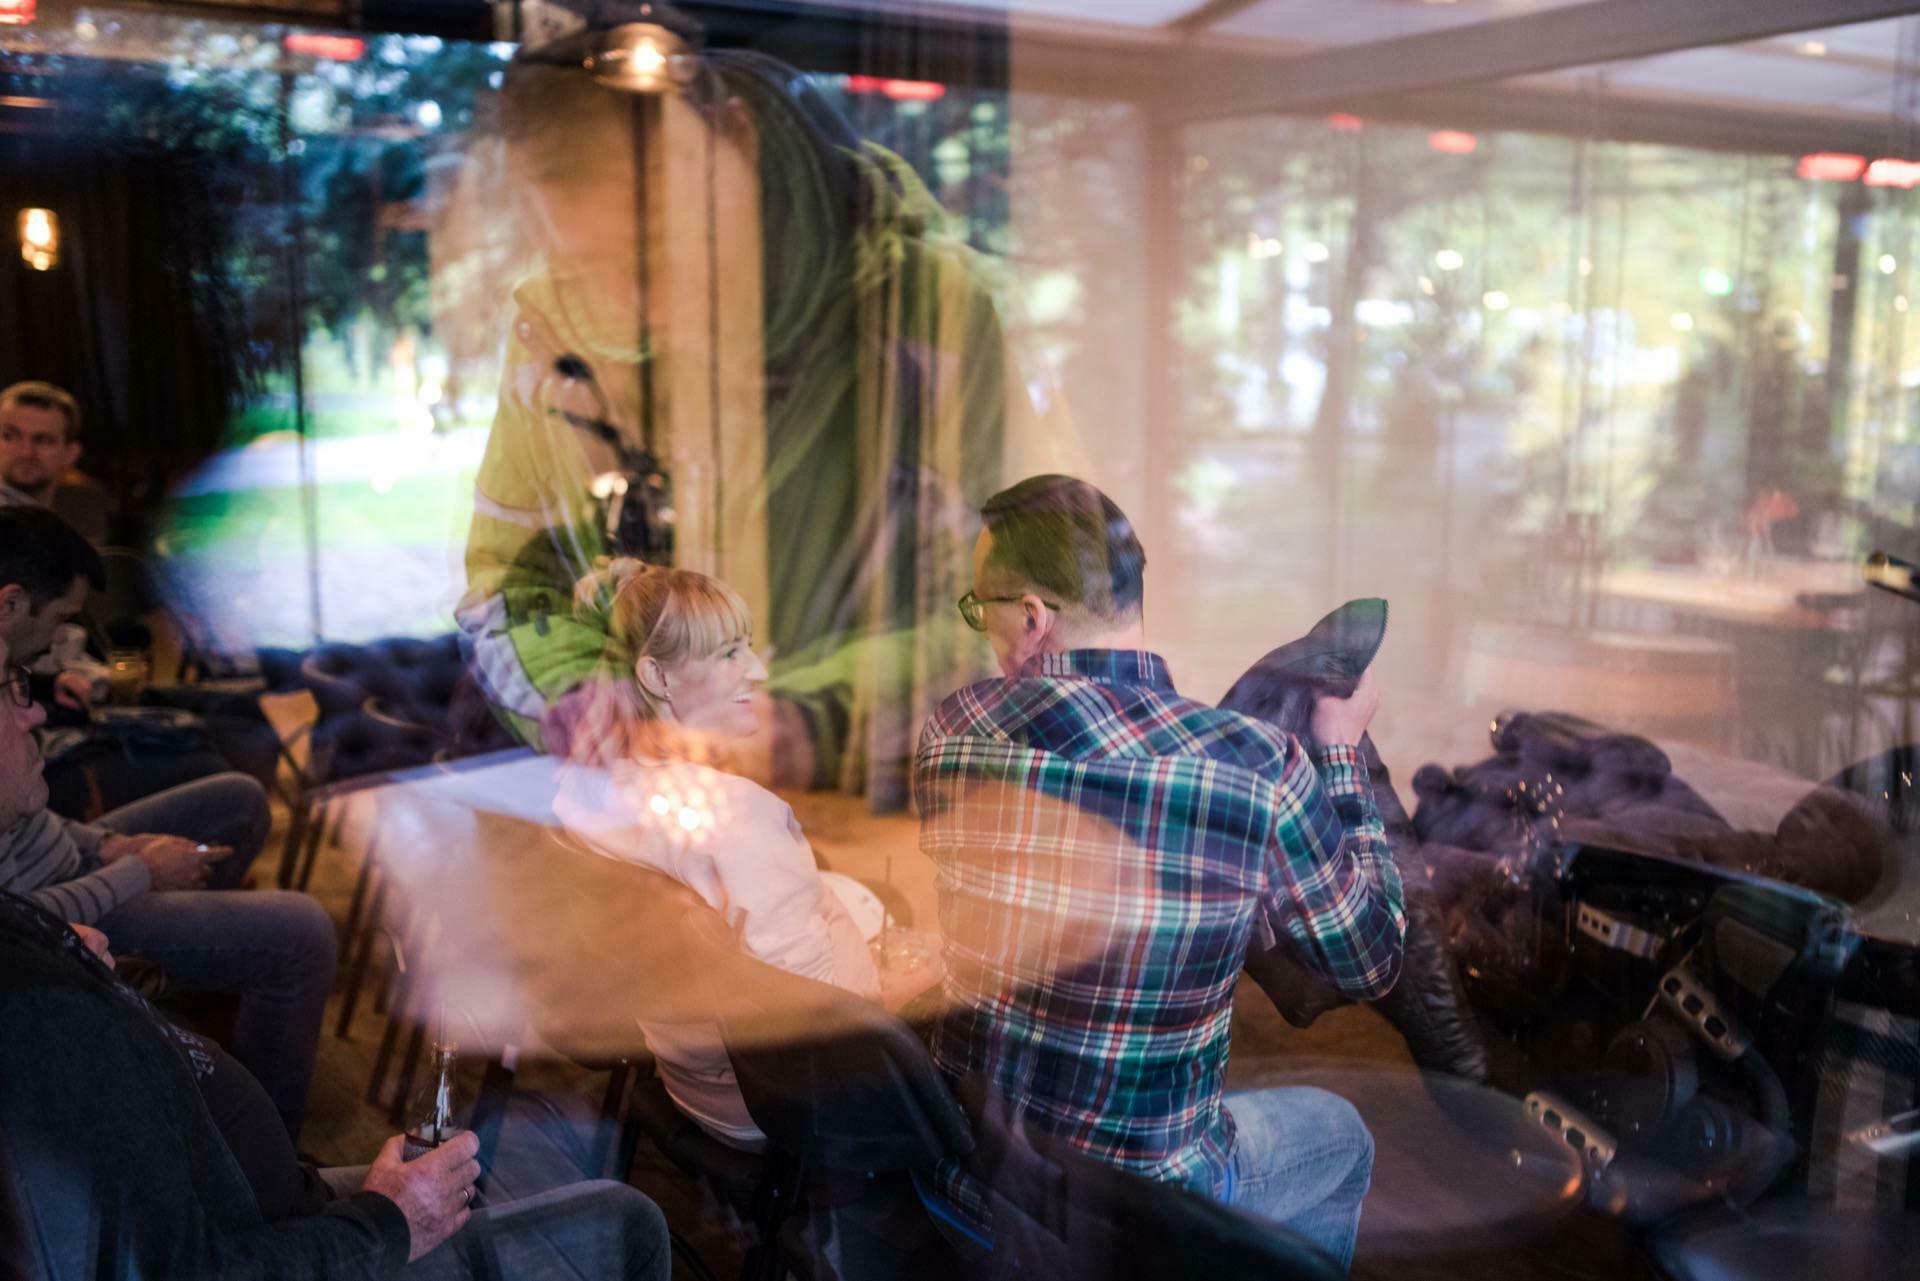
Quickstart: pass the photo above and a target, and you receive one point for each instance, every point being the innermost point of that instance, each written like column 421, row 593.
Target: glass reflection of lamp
column 638, row 57
column 39, row 239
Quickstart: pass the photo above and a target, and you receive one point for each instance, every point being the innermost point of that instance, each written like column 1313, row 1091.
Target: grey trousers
column 592, row 1231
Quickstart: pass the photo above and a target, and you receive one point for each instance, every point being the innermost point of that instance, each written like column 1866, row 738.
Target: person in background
column 46, row 573
column 643, row 787
column 146, row 887
column 39, row 445
column 1107, row 850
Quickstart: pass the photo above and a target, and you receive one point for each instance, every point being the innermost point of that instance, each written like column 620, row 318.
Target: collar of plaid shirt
column 1108, row 667
column 1103, row 845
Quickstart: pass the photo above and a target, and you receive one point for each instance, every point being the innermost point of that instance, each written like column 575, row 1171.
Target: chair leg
column 630, row 1130
column 316, row 836
column 393, row 1000
column 389, row 1036
column 397, row 931
column 490, row 1107
column 296, row 832
column 363, row 960
column 409, row 1064
column 607, row 1129
column 774, row 1204
column 368, row 862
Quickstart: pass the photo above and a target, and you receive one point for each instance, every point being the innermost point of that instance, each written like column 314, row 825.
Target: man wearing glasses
column 1108, row 851
column 138, row 872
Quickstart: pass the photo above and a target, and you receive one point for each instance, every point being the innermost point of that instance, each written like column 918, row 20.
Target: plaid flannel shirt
column 1107, row 850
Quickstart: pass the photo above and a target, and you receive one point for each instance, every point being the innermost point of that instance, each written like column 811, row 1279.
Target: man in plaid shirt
column 1109, row 851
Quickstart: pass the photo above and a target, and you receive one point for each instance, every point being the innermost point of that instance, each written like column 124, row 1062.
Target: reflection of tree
column 372, row 129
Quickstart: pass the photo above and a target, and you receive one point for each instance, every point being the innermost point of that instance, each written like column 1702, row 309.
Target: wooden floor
column 344, row 1129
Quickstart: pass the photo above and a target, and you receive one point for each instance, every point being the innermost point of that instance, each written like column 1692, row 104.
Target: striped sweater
column 56, row 863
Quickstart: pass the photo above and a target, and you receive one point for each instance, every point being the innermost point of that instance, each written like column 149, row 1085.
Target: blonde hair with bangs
column 647, row 611
column 671, row 616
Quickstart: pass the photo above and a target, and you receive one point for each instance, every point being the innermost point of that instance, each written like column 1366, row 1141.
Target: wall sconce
column 39, row 239
column 637, row 57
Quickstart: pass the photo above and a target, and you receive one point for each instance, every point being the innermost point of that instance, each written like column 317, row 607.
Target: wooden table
column 1787, row 622
column 1770, row 597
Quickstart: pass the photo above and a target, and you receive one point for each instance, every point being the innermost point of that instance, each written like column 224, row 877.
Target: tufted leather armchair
column 386, row 705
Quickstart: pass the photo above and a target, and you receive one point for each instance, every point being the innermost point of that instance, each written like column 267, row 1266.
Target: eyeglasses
column 19, row 685
column 973, row 608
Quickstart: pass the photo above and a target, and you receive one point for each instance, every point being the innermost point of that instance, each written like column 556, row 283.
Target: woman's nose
column 756, row 669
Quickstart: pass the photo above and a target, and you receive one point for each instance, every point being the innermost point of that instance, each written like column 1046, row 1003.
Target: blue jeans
column 275, row 949
column 1303, row 1158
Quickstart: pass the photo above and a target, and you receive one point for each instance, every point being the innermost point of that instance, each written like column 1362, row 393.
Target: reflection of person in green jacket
column 884, row 405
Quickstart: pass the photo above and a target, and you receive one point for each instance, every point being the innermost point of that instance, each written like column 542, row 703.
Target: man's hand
column 433, row 1191
column 174, row 862
column 74, row 690
column 1343, row 720
column 96, row 941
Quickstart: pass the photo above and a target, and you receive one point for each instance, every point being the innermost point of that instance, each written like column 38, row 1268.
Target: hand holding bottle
column 434, row 1192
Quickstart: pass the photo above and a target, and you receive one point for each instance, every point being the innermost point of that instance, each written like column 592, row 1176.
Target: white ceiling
column 1314, row 22
column 1334, row 22
column 1120, row 13
column 1858, row 73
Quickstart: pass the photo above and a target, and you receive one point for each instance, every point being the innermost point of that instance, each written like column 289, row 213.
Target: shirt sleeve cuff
column 1338, row 765
column 130, row 877
column 396, row 1238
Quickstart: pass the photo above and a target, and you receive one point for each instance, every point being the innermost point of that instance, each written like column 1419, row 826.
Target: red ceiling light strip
column 898, row 90
column 1345, row 123
column 320, row 45
column 1893, row 173
column 1826, row 166
column 18, row 13
column 1453, row 142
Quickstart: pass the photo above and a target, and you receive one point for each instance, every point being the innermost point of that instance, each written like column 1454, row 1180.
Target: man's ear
column 70, row 455
column 1040, row 618
column 15, row 605
column 653, row 678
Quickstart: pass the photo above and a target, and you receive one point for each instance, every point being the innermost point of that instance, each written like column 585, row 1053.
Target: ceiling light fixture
column 39, row 239
column 1828, row 166
column 643, row 56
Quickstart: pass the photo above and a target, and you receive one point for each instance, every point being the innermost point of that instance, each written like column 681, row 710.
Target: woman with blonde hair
column 642, row 787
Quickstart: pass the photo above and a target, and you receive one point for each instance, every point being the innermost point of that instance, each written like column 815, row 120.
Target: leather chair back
column 389, row 704
column 833, row 1079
